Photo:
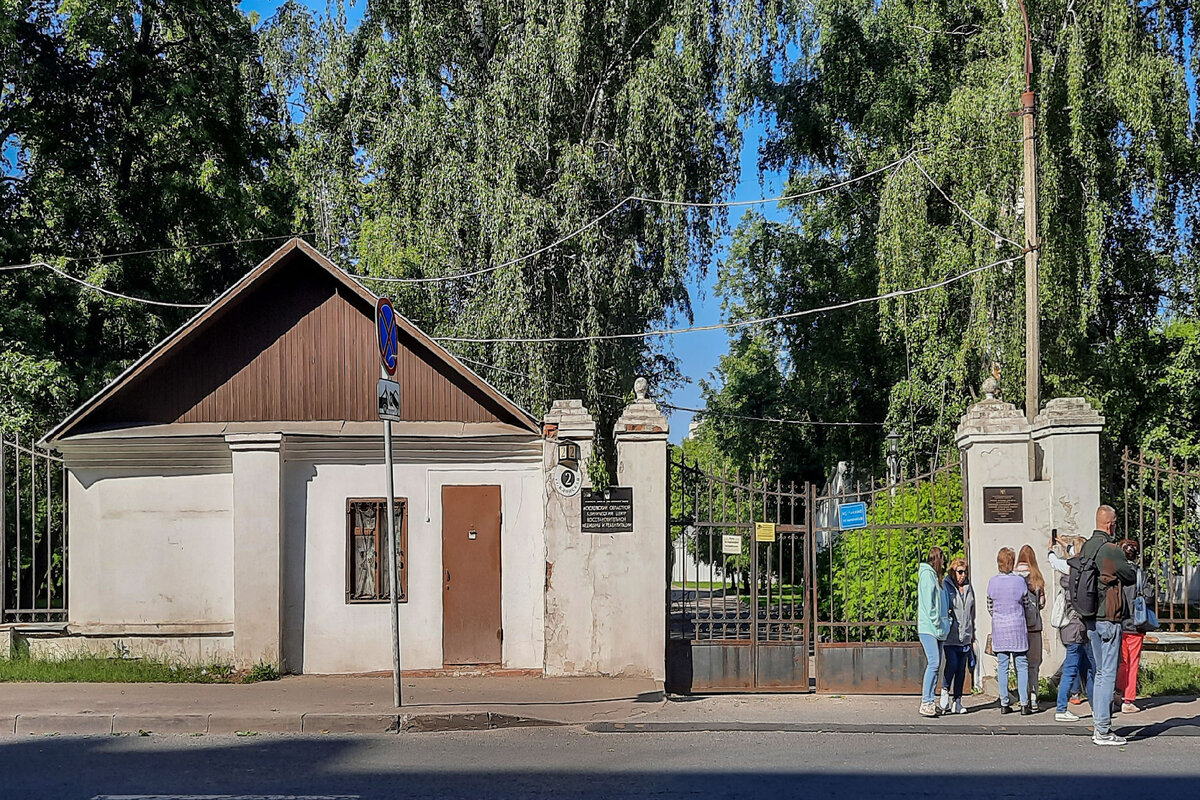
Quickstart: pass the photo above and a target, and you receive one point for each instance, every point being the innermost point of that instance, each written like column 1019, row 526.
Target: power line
column 640, row 199
column 961, row 210
column 725, row 325
column 176, row 249
column 109, row 292
column 146, row 301
column 674, row 407
column 731, row 415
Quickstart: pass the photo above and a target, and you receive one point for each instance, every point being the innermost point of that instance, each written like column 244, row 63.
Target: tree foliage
column 445, row 138
column 124, row 126
column 866, row 83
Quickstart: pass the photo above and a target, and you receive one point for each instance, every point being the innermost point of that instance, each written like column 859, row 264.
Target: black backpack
column 1083, row 582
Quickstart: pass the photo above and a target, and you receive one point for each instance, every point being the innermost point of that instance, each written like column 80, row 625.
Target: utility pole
column 1033, row 356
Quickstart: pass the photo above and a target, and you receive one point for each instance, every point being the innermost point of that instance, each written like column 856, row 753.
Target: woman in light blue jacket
column 933, row 624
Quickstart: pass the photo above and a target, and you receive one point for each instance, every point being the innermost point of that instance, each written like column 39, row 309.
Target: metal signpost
column 389, row 409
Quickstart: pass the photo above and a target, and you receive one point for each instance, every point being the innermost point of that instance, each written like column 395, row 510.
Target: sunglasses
column 960, row 572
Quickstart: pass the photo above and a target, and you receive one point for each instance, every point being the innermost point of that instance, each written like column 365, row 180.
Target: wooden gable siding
column 297, row 347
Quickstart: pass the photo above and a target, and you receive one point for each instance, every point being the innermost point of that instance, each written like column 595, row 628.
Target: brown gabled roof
column 314, row 358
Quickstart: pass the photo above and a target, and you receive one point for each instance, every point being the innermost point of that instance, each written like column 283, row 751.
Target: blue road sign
column 385, row 327
column 852, row 515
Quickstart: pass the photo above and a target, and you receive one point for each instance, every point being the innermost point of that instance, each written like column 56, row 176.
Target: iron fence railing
column 1160, row 509
column 33, row 533
column 866, row 578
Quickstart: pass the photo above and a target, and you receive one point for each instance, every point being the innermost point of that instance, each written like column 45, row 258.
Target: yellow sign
column 764, row 531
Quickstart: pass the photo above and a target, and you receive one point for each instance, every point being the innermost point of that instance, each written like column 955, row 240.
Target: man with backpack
column 1097, row 576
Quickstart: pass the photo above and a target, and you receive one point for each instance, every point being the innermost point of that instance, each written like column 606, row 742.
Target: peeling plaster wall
column 605, row 600
column 150, row 548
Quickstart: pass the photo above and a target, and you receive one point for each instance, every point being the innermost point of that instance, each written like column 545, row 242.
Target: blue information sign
column 852, row 515
column 385, row 327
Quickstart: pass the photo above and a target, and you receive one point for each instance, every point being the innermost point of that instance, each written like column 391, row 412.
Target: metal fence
column 33, row 534
column 867, row 577
column 739, row 594
column 1161, row 511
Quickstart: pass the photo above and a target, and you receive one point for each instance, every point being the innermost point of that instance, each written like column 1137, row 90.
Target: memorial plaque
column 731, row 544
column 1003, row 505
column 607, row 511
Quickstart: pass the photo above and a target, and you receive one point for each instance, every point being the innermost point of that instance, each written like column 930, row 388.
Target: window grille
column 367, row 551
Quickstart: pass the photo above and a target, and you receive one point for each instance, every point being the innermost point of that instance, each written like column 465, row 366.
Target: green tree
column 866, row 83
column 124, row 126
column 442, row 138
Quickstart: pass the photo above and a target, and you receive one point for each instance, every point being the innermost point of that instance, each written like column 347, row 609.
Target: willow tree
column 868, row 83
column 442, row 138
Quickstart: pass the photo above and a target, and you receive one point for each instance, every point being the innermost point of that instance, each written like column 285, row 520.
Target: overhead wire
column 640, row 199
column 961, row 210
column 675, row 407
column 725, row 325
column 146, row 301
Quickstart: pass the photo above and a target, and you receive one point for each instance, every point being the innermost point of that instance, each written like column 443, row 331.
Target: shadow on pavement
column 338, row 767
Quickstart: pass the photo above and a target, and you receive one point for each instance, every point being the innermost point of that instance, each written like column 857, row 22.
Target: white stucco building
column 225, row 493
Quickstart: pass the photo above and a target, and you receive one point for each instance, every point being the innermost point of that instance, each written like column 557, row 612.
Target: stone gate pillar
column 1062, row 496
column 605, row 594
column 641, row 436
column 994, row 440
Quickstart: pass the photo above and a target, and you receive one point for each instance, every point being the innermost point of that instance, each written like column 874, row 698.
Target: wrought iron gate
column 748, row 615
column 866, row 582
column 1160, row 509
column 738, row 609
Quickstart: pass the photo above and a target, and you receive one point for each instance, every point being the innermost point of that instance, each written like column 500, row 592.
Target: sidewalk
column 320, row 704
column 315, row 704
column 894, row 714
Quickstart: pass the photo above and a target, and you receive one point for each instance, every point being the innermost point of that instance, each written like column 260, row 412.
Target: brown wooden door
column 471, row 627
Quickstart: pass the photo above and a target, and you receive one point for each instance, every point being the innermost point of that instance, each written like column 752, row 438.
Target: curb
column 483, row 721
column 1134, row 732
column 249, row 724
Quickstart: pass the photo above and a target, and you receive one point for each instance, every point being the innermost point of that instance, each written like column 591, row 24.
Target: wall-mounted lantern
column 568, row 453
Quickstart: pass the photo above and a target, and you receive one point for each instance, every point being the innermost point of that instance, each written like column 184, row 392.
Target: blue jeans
column 1105, row 639
column 1077, row 668
column 1022, row 663
column 933, row 658
column 955, row 675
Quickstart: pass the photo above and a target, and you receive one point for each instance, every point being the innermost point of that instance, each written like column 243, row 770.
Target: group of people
column 1099, row 610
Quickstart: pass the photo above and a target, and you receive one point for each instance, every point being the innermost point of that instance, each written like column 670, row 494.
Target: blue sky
column 698, row 353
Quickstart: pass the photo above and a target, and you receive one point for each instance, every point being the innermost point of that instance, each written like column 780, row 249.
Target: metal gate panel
column 866, row 630
column 737, row 621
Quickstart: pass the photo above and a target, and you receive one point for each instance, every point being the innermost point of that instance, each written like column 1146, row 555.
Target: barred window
column 367, row 550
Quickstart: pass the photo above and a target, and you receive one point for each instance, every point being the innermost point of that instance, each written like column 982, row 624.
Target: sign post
column 389, row 345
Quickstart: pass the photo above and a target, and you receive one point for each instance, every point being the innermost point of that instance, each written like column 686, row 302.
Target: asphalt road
column 562, row 762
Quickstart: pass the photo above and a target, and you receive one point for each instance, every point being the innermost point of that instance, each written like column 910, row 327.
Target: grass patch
column 1169, row 677
column 97, row 669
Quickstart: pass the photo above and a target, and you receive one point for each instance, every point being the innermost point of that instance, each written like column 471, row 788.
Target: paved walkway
column 320, row 704
column 339, row 704
column 893, row 714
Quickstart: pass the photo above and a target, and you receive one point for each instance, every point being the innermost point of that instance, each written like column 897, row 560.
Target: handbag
column 988, row 648
column 1144, row 618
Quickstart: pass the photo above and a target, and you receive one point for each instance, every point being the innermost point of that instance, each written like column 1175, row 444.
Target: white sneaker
column 927, row 710
column 1108, row 739
column 944, row 703
column 1065, row 716
column 958, row 707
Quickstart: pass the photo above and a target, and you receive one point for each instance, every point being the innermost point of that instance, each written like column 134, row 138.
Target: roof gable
column 294, row 340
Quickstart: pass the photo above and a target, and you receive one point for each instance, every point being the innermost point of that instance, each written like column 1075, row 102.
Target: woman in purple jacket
column 1006, row 598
